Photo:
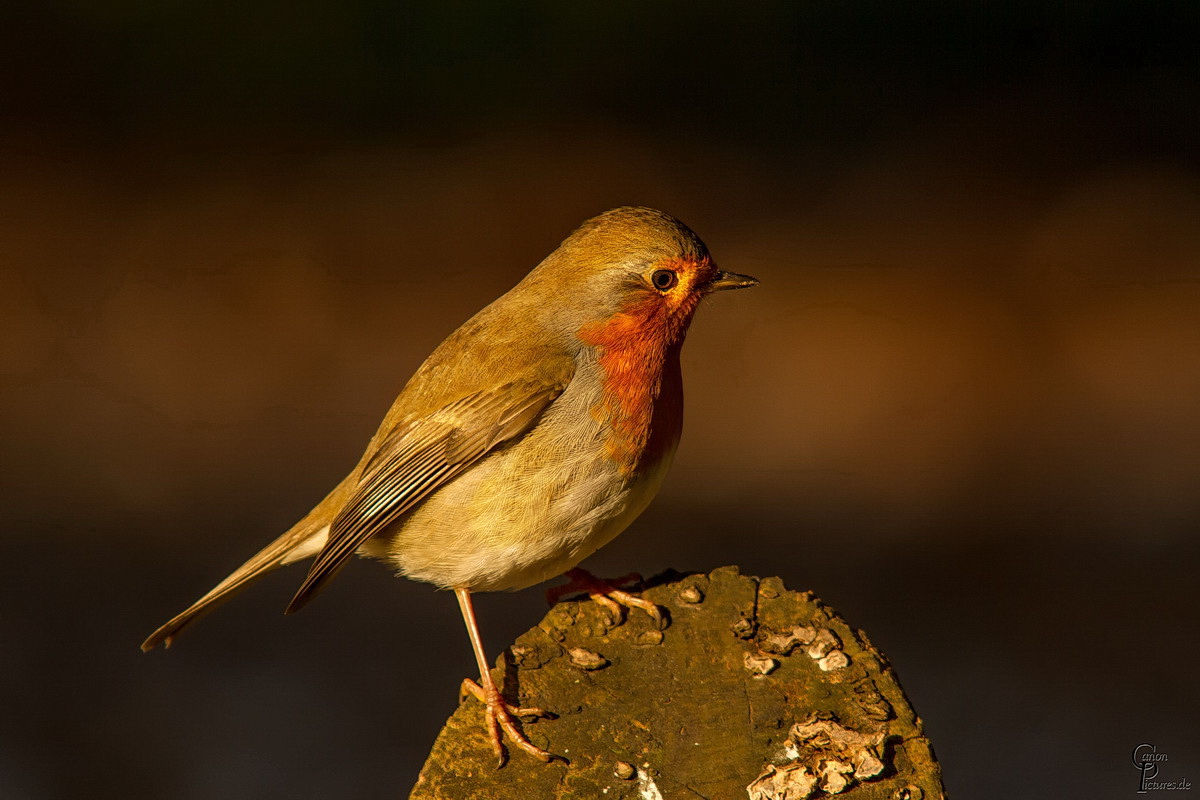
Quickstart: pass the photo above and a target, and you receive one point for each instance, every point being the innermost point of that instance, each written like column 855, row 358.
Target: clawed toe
column 633, row 601
column 608, row 594
column 470, row 688
column 501, row 720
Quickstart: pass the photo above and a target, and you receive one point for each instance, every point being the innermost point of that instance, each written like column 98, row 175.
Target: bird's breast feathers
column 637, row 352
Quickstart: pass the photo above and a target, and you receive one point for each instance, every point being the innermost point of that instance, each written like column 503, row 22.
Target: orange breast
column 638, row 350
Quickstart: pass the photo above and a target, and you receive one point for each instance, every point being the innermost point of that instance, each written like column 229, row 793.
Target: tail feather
column 303, row 541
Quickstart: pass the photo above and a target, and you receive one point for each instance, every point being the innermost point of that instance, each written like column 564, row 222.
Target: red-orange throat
column 634, row 346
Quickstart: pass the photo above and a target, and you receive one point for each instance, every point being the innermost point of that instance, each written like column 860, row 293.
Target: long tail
column 304, row 540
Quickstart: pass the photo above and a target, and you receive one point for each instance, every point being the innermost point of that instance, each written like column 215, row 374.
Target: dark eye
column 664, row 279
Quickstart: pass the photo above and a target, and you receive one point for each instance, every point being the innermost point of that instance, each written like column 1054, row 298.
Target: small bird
column 532, row 436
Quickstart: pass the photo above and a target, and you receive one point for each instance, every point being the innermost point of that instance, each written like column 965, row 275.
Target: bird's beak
column 730, row 280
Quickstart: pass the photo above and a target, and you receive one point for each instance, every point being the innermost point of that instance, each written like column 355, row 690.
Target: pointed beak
column 730, row 280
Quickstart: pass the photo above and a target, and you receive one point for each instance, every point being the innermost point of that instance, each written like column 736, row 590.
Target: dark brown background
column 963, row 407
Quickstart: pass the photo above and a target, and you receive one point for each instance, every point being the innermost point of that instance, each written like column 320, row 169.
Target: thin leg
column 607, row 593
column 499, row 714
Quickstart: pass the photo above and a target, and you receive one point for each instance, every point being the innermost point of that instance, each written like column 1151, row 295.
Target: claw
column 500, row 717
column 471, row 688
column 608, row 594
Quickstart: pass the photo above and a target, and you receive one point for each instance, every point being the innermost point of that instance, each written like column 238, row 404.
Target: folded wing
column 420, row 455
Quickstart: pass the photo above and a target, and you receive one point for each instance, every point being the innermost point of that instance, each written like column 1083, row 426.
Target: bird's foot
column 608, row 593
column 501, row 717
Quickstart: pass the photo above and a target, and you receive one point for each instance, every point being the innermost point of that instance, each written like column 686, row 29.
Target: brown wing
column 416, row 458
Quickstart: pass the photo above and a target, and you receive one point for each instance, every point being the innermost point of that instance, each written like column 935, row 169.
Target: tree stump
column 753, row 691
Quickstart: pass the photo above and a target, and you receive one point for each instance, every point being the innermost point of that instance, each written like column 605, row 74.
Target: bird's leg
column 499, row 714
column 607, row 593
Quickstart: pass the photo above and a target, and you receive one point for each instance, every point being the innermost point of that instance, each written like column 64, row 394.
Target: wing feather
column 419, row 456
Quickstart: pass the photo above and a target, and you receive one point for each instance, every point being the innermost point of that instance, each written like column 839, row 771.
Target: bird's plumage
column 531, row 436
column 416, row 457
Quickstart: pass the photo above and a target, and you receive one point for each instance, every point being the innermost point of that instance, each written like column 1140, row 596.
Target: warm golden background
column 963, row 407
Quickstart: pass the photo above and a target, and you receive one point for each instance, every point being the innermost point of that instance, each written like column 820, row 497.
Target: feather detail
column 416, row 458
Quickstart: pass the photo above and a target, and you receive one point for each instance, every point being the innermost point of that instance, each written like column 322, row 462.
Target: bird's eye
column 664, row 279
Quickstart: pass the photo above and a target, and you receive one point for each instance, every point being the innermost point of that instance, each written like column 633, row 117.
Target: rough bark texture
column 753, row 691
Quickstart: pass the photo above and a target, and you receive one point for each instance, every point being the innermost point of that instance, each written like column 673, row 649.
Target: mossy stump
column 753, row 691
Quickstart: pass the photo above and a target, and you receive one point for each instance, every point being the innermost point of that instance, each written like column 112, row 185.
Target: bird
column 531, row 436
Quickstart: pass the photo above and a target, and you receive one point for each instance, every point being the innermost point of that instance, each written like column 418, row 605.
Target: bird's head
column 630, row 277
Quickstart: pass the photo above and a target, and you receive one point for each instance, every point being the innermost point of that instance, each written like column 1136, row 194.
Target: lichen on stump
column 754, row 691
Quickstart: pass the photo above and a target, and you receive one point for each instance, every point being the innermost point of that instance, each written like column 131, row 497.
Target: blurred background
column 963, row 407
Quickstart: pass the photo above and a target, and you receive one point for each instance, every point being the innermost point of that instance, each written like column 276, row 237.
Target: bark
column 753, row 691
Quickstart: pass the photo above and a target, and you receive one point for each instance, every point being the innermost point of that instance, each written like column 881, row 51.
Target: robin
column 532, row 436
